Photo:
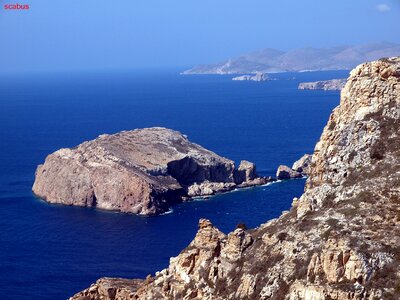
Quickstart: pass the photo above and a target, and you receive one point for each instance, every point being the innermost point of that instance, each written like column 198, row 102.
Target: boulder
column 303, row 164
column 284, row 172
column 209, row 188
column 110, row 288
column 245, row 172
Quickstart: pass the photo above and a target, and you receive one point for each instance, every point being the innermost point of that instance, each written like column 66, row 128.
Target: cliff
column 142, row 171
column 340, row 240
column 326, row 85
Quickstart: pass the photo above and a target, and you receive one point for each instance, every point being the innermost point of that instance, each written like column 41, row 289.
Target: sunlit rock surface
column 142, row 171
column 340, row 240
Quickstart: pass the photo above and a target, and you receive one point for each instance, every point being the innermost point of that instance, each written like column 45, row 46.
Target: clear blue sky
column 57, row 35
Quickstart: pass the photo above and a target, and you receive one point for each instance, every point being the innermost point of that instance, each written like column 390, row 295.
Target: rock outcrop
column 142, row 171
column 326, row 85
column 299, row 169
column 255, row 77
column 340, row 240
column 246, row 172
column 111, row 288
column 303, row 165
column 284, row 172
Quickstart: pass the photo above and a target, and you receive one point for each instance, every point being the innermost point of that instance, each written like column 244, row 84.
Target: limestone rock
column 299, row 169
column 339, row 241
column 110, row 288
column 245, row 172
column 142, row 171
column 357, row 147
column 237, row 242
column 303, row 164
column 284, row 172
column 207, row 188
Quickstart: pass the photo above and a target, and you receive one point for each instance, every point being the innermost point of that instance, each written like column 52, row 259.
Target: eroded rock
column 142, row 171
column 284, row 172
column 303, row 165
column 339, row 241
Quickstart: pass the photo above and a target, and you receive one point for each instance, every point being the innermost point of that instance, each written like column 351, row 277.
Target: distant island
column 299, row 60
column 257, row 77
column 326, row 85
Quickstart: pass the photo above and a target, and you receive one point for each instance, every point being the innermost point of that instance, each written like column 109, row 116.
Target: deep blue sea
column 51, row 251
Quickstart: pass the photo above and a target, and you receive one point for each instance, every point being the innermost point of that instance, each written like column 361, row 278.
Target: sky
column 64, row 35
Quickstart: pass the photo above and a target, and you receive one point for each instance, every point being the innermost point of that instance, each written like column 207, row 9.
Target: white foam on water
column 170, row 211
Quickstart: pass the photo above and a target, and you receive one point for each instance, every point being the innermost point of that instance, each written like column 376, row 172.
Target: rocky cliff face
column 340, row 240
column 143, row 171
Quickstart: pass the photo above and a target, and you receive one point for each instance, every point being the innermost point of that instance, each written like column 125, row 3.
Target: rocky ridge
column 326, row 85
column 298, row 60
column 340, row 240
column 143, row 171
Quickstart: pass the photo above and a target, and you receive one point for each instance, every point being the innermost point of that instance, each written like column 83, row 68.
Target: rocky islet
column 143, row 171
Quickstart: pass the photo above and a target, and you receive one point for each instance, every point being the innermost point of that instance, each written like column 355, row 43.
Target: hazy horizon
column 75, row 35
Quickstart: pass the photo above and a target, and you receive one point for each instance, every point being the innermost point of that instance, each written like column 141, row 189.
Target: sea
column 53, row 251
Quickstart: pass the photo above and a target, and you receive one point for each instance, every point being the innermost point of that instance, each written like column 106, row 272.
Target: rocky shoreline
column 340, row 240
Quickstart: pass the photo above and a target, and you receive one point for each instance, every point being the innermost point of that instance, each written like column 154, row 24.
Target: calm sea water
column 51, row 252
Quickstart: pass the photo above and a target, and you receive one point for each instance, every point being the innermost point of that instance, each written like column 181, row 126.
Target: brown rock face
column 142, row 171
column 340, row 240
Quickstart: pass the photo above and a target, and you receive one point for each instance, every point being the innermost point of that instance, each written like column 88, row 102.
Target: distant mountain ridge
column 299, row 60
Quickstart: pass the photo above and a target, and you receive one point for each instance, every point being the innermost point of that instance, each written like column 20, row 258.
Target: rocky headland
column 325, row 85
column 340, row 240
column 143, row 171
